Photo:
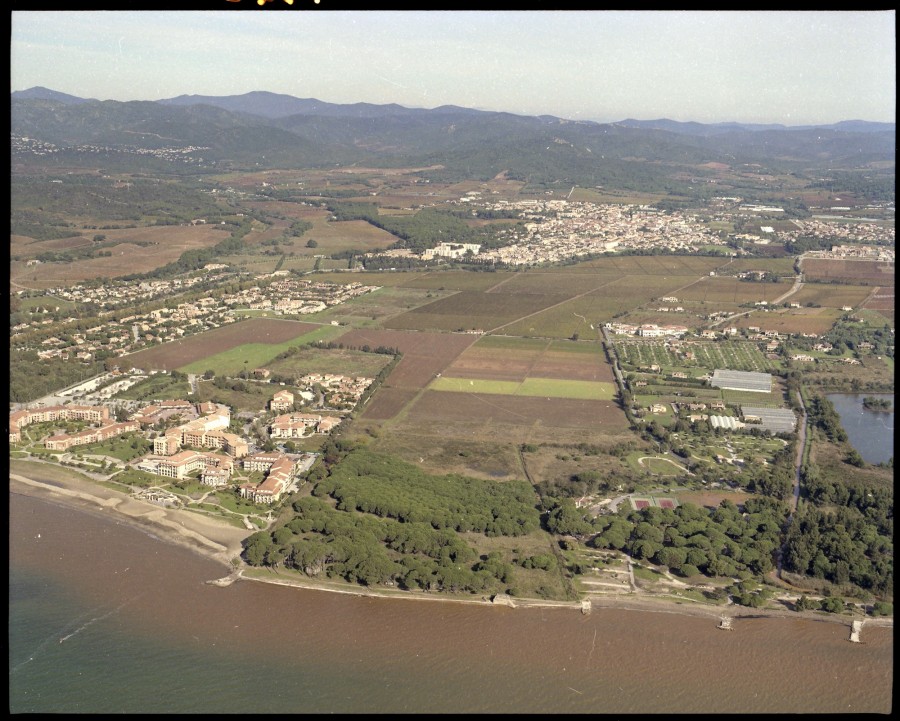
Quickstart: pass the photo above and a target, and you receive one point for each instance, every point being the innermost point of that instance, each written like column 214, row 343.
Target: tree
column 566, row 519
column 312, row 243
column 803, row 604
column 832, row 605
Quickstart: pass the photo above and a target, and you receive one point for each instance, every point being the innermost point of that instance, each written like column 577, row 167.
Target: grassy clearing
column 159, row 386
column 253, row 399
column 661, row 466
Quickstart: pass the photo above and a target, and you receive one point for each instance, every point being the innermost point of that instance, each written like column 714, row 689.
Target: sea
column 105, row 617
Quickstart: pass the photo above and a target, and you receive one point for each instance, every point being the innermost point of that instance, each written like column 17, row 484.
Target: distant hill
column 262, row 129
column 274, row 106
column 693, row 128
column 39, row 93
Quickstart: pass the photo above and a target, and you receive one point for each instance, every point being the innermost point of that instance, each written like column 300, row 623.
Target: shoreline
column 220, row 542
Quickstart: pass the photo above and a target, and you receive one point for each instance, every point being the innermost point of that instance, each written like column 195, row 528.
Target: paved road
column 798, row 284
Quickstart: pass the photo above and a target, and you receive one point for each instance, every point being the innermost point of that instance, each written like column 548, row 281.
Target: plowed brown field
column 196, row 347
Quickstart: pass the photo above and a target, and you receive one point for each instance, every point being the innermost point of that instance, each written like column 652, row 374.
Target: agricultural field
column 773, row 399
column 861, row 272
column 302, row 263
column 253, row 263
column 708, row 355
column 689, row 318
column 182, row 354
column 22, row 247
column 388, row 403
column 663, row 265
column 795, row 320
column 553, row 283
column 831, row 295
column 144, row 248
column 472, row 310
column 452, row 280
column 425, row 355
column 372, row 309
column 255, row 355
column 384, row 278
column 523, row 411
column 477, row 433
column 883, row 301
column 578, row 315
column 782, row 266
column 535, row 387
column 732, row 290
column 340, row 361
column 339, row 236
column 513, row 359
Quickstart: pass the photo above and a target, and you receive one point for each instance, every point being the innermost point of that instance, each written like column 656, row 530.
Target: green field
column 255, row 355
column 536, row 387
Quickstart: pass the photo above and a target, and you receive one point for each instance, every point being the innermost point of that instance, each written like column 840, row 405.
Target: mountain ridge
column 280, row 105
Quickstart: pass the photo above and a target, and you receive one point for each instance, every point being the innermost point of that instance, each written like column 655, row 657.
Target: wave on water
column 42, row 646
column 46, row 642
column 95, row 620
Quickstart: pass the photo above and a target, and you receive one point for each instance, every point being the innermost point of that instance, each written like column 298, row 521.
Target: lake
column 870, row 432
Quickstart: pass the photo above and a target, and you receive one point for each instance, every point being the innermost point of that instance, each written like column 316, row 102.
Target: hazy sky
column 749, row 66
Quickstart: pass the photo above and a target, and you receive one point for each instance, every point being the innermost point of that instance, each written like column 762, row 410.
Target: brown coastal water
column 144, row 633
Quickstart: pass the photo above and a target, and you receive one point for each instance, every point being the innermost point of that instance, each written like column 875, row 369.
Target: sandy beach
column 219, row 541
column 213, row 538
